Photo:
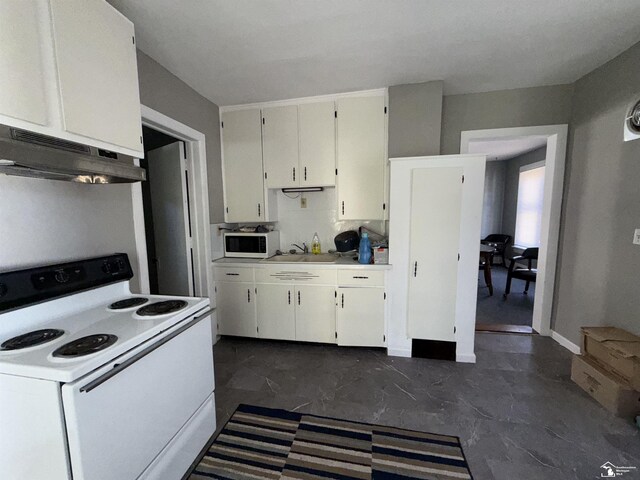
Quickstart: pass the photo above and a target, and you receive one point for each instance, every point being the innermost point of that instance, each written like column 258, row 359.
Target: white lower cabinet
column 236, row 309
column 276, row 315
column 315, row 313
column 360, row 316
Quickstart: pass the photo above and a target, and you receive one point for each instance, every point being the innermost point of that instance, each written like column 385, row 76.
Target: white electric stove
column 99, row 383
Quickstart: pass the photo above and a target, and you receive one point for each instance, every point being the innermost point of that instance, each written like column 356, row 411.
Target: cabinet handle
column 248, row 295
column 305, row 174
column 289, row 297
column 415, row 269
column 294, row 174
column 360, row 277
column 258, row 210
column 232, row 274
column 298, row 297
column 343, row 208
column 343, row 300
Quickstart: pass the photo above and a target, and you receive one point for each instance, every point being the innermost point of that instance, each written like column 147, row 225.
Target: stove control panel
column 21, row 288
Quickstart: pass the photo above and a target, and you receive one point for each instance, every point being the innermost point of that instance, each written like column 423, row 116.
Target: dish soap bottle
column 315, row 244
column 364, row 252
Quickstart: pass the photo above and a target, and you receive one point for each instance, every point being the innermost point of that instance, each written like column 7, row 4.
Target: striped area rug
column 265, row 443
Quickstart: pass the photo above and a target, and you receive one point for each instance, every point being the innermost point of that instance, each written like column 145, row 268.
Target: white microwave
column 251, row 245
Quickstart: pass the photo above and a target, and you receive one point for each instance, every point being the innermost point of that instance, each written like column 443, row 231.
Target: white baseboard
column 399, row 352
column 568, row 344
column 466, row 357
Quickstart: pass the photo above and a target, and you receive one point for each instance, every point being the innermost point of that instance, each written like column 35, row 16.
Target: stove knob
column 106, row 267
column 62, row 276
column 3, row 289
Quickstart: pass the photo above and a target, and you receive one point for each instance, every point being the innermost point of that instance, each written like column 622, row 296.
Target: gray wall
column 599, row 268
column 166, row 93
column 492, row 206
column 512, row 177
column 523, row 107
column 415, row 113
column 48, row 221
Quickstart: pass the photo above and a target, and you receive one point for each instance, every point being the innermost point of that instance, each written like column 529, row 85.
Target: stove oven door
column 120, row 417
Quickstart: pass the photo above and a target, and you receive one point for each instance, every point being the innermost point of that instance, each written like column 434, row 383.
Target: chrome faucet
column 304, row 250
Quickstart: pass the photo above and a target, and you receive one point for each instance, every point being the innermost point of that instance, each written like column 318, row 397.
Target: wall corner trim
column 399, row 352
column 566, row 343
column 466, row 357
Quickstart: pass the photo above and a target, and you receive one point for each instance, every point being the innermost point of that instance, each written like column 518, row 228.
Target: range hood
column 29, row 154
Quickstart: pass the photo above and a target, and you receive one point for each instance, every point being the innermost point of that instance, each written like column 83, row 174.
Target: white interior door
column 436, row 205
column 169, row 204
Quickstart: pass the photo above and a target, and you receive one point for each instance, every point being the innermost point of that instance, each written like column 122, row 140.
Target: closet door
column 436, row 201
column 280, row 146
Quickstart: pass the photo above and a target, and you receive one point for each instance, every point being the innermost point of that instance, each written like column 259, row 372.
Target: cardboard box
column 612, row 392
column 615, row 349
column 381, row 255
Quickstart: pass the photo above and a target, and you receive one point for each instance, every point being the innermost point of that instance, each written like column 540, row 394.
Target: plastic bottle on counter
column 315, row 244
column 364, row 252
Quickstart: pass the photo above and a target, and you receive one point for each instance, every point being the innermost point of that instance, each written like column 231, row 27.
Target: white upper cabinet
column 22, row 76
column 242, row 166
column 317, row 128
column 68, row 70
column 280, row 146
column 361, row 158
column 97, row 72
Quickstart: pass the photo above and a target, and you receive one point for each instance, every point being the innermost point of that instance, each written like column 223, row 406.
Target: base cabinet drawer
column 236, row 305
column 360, row 317
column 361, row 278
column 233, row 274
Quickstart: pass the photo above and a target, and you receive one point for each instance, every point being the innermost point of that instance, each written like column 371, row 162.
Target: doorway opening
column 532, row 218
column 510, row 235
column 167, row 215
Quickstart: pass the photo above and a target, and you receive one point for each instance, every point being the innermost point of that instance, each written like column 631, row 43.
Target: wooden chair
column 500, row 242
column 527, row 274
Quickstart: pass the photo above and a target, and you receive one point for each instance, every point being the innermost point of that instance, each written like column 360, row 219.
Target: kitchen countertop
column 341, row 262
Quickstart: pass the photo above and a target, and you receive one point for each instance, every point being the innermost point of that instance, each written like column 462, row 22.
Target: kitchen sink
column 304, row 258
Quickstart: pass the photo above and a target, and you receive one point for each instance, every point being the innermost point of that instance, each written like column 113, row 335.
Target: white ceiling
column 507, row 147
column 242, row 51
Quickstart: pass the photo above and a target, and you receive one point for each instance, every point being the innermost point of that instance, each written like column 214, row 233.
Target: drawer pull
column 232, row 274
column 360, row 277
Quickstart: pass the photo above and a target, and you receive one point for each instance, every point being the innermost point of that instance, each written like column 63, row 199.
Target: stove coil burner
column 161, row 308
column 128, row 303
column 31, row 339
column 85, row 346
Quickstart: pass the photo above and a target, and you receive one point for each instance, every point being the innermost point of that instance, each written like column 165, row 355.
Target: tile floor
column 517, row 412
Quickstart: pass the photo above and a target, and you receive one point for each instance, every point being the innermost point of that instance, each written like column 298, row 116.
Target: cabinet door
column 436, row 199
column 360, row 316
column 276, row 312
column 22, row 76
column 280, row 146
column 242, row 166
column 236, row 309
column 317, row 144
column 97, row 70
column 361, row 158
column 315, row 314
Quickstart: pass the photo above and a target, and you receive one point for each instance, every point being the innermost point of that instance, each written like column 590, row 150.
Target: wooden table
column 485, row 253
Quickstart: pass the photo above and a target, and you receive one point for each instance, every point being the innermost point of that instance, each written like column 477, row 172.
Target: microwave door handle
column 119, row 367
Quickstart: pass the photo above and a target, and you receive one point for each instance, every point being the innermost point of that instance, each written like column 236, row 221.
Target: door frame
column 199, row 202
column 551, row 209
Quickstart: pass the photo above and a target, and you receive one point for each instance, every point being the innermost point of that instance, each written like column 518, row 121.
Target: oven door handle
column 119, row 367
